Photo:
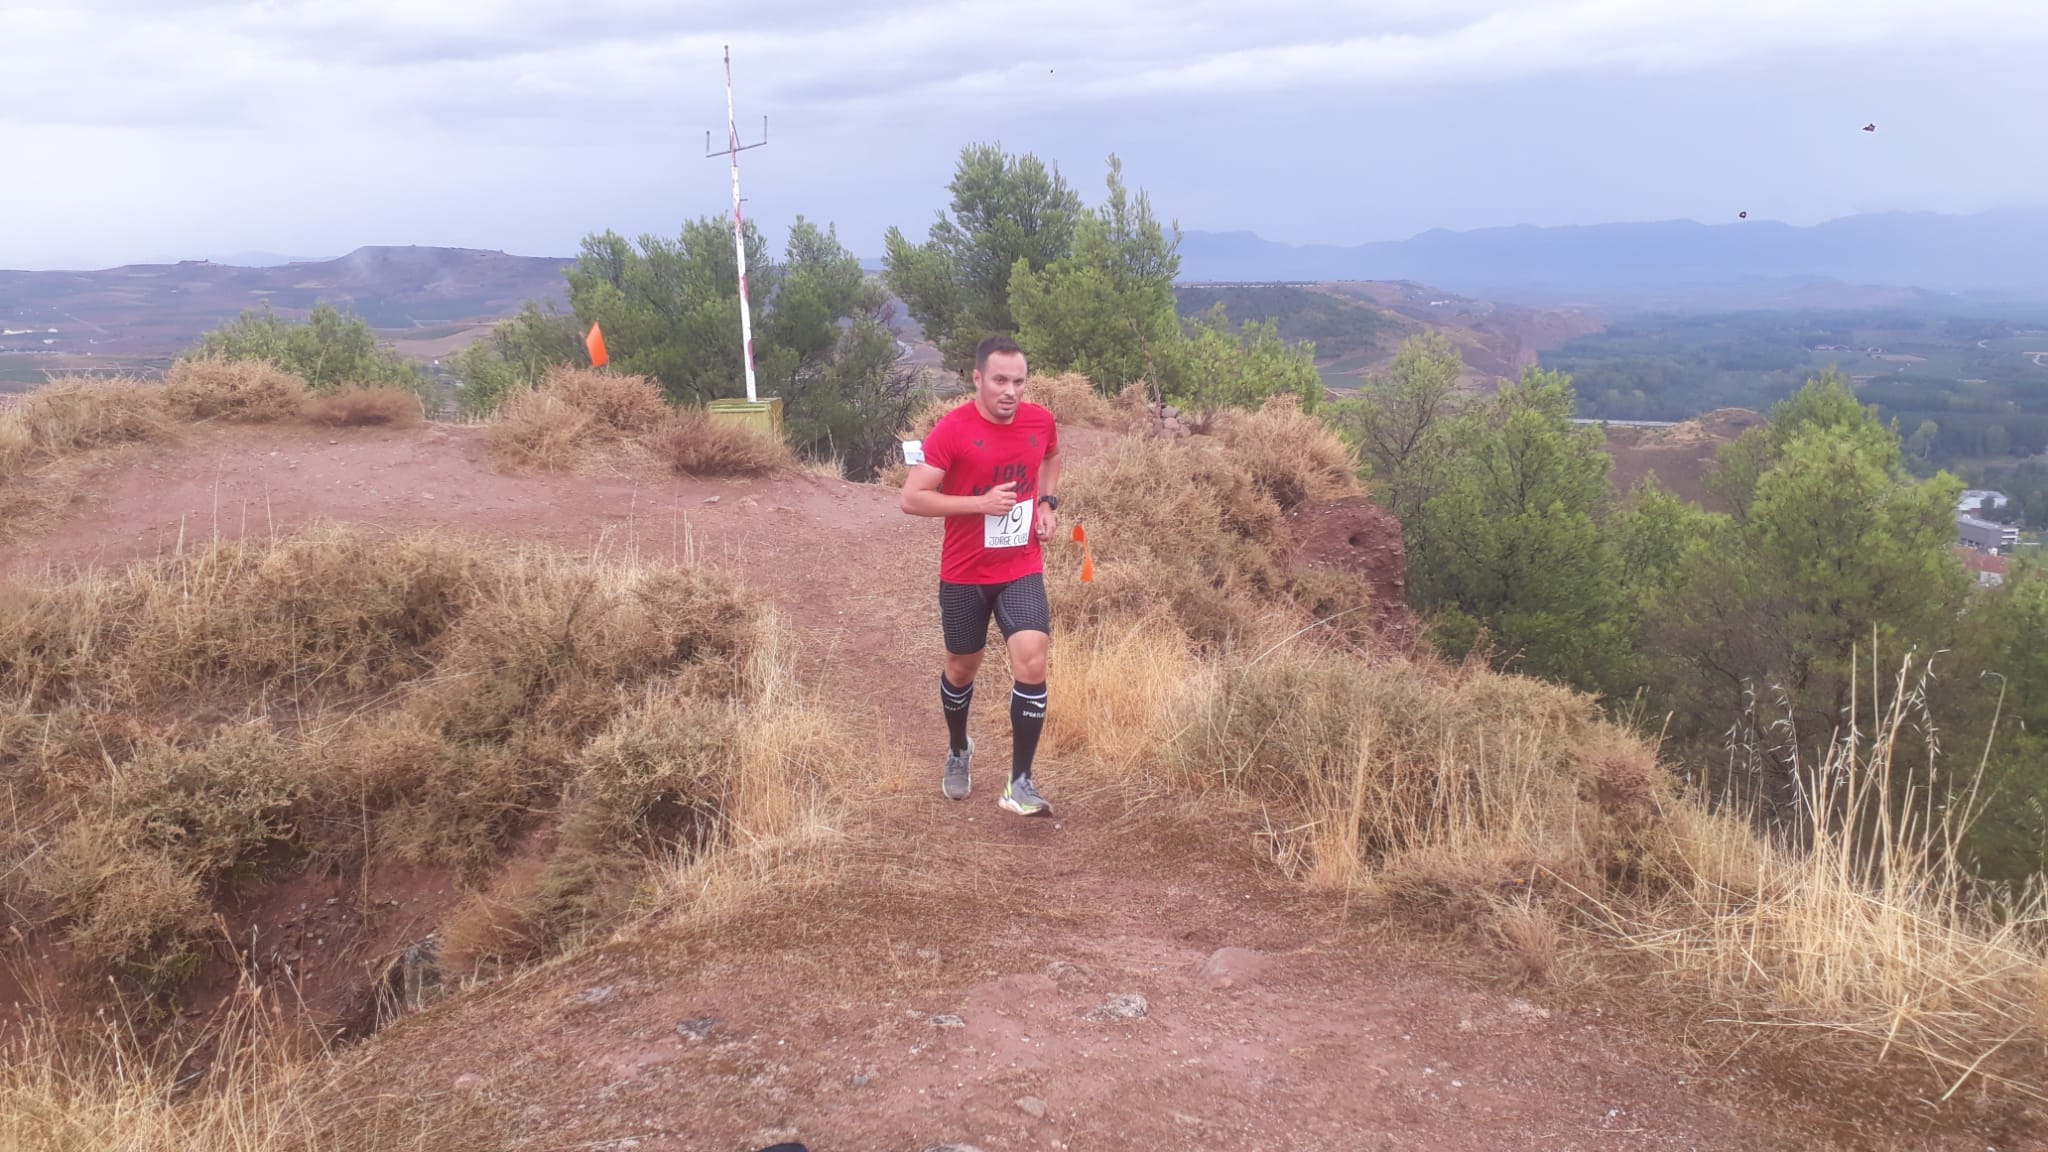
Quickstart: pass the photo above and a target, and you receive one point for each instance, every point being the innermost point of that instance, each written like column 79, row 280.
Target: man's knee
column 960, row 670
column 1028, row 651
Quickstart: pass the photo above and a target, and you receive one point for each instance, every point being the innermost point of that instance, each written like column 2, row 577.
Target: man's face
column 1000, row 386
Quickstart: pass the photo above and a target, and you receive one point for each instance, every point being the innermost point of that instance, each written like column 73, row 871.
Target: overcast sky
column 137, row 129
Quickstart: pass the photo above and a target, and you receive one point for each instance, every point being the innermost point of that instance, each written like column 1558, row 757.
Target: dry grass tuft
column 1121, row 681
column 1508, row 810
column 618, row 405
column 1529, row 935
column 1176, row 528
column 355, row 406
column 732, row 797
column 695, row 444
column 1292, row 456
column 545, row 428
column 181, row 728
column 1399, row 770
column 245, row 391
column 101, row 1088
column 267, row 1087
column 1498, row 806
column 73, row 414
column 1873, row 933
column 537, row 429
column 1072, row 399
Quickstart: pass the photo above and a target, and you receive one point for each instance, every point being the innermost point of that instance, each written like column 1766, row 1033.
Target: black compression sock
column 955, row 701
column 1027, row 720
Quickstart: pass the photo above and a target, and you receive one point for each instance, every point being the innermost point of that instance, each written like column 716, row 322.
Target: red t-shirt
column 976, row 455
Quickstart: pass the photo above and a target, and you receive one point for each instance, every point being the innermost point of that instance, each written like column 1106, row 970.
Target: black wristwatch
column 1052, row 502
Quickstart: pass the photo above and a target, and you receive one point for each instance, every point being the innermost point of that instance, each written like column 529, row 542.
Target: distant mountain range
column 2000, row 254
column 145, row 310
column 1920, row 259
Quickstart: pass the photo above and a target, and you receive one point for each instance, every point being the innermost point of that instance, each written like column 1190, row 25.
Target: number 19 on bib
column 1010, row 531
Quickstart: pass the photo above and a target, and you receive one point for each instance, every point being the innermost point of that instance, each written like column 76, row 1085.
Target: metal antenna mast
column 731, row 152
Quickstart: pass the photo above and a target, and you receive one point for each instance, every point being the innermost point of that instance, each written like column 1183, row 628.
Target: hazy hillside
column 150, row 310
column 429, row 302
column 1750, row 262
column 1358, row 325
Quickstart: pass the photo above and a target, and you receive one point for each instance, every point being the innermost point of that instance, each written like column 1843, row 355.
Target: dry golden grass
column 1121, row 681
column 1292, row 456
column 266, row 1088
column 245, row 391
column 1510, row 811
column 170, row 725
column 1477, row 801
column 537, row 429
column 695, row 444
column 103, row 1090
column 617, row 404
column 546, row 428
column 1072, row 399
column 1872, row 932
column 73, row 414
column 355, row 406
column 1177, row 528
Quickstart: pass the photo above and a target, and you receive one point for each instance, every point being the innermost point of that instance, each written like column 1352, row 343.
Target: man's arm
column 921, row 497
column 1048, row 485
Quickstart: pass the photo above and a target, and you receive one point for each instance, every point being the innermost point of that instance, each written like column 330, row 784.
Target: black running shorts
column 1018, row 606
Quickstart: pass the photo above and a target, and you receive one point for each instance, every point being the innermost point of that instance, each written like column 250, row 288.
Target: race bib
column 1011, row 531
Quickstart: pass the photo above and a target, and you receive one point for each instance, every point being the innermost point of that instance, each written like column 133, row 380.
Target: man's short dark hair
column 992, row 346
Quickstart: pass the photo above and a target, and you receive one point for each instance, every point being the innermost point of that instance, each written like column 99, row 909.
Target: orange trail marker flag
column 595, row 342
column 1087, row 556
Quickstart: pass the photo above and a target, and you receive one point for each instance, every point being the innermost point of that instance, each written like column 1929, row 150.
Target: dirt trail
column 938, row 991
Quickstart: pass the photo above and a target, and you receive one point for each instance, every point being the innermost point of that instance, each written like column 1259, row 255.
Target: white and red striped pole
column 739, row 236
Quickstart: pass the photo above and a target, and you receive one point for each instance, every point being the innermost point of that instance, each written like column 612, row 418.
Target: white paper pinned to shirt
column 913, row 452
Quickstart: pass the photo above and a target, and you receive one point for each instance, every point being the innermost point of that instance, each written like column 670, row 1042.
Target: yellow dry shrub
column 361, row 406
column 618, row 404
column 537, row 429
column 124, row 909
column 695, row 444
column 76, row 413
column 178, row 723
column 1175, row 526
column 1072, row 399
column 1292, row 456
column 245, row 391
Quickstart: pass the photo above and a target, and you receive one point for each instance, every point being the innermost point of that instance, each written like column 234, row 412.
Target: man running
column 991, row 468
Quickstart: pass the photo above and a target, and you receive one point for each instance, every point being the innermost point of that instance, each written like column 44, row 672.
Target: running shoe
column 1022, row 797
column 958, row 782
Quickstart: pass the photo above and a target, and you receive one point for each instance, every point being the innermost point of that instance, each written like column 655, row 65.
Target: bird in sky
column 1870, row 127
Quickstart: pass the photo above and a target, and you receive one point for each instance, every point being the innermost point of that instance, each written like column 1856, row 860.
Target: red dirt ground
column 1341, row 1033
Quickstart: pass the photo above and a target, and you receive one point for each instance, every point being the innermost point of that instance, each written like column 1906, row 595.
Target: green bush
column 328, row 349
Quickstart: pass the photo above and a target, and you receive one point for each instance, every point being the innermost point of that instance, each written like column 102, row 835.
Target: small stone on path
column 699, row 1029
column 946, row 1020
column 1234, row 967
column 1032, row 1106
column 1126, row 1007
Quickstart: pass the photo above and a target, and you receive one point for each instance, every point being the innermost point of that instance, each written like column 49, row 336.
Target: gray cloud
column 114, row 62
column 523, row 123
